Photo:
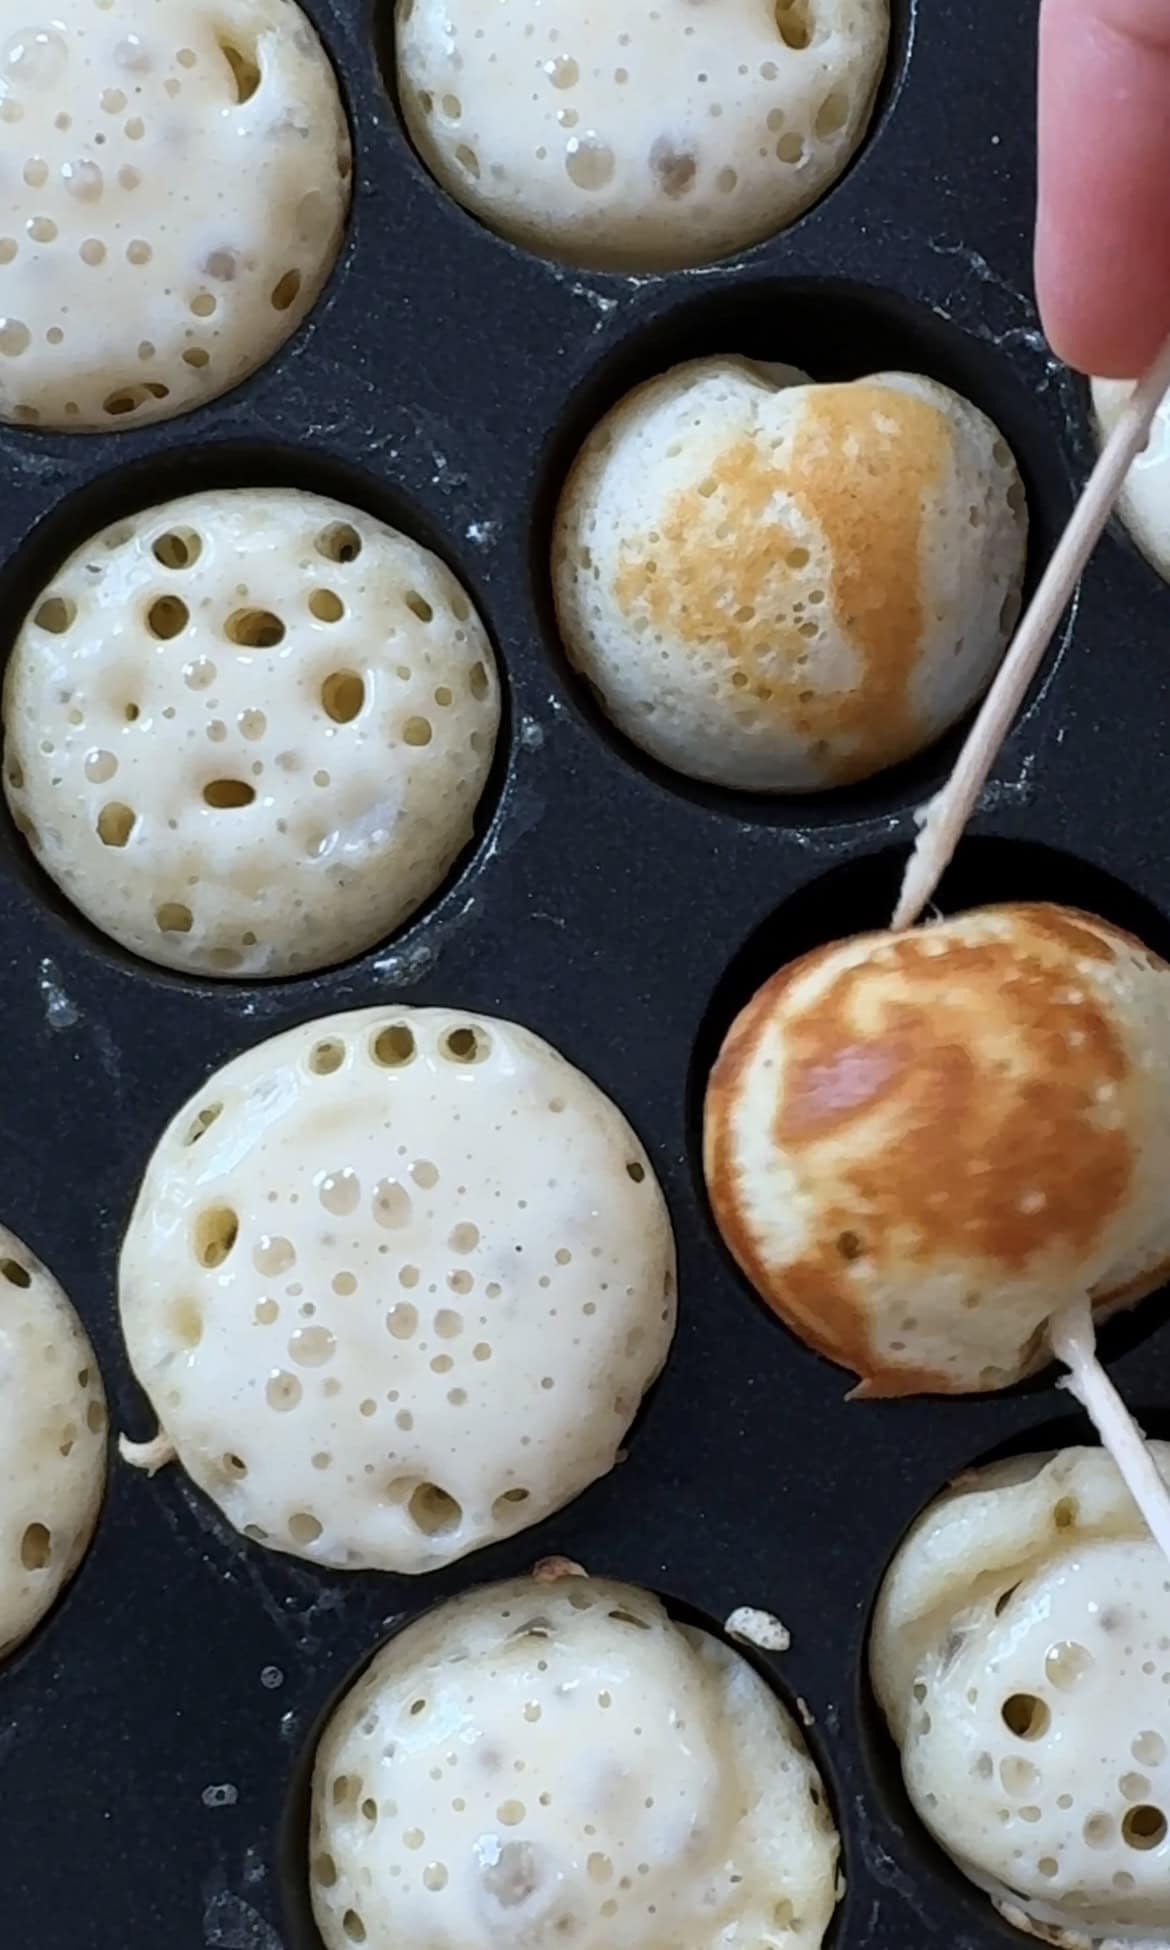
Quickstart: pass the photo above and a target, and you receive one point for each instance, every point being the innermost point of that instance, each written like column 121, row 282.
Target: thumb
column 1103, row 227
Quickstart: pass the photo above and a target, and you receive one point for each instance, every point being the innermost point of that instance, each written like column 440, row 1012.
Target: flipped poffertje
column 780, row 586
column 924, row 1148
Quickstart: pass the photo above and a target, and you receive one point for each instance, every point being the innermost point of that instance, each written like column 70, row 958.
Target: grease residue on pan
column 442, row 383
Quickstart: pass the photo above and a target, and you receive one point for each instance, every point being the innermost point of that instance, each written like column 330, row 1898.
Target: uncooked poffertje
column 1144, row 505
column 781, row 586
column 174, row 185
column 247, row 732
column 52, row 1441
column 922, row 1148
column 396, row 1284
column 540, row 1763
column 1021, row 1655
column 630, row 136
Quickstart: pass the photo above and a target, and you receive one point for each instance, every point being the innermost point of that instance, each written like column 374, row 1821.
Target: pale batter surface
column 396, row 1283
column 52, row 1441
column 1021, row 1653
column 247, row 732
column 539, row 1763
column 636, row 136
column 174, row 186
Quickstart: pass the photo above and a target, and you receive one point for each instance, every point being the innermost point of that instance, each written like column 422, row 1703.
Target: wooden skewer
column 1072, row 1333
column 1074, row 1341
column 947, row 814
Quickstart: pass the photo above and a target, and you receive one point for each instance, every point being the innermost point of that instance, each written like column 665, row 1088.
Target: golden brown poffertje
column 921, row 1147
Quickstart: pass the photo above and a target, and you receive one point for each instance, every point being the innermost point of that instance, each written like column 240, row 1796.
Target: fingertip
column 1090, row 325
column 1103, row 232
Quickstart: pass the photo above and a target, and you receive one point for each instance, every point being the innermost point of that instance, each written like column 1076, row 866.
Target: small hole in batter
column 1026, row 1716
column 56, row 615
column 202, row 1123
column 342, row 695
column 167, row 617
column 506, row 1504
column 434, row 1511
column 326, row 606
column 127, row 399
column 173, row 918
column 115, row 823
column 216, row 1230
column 254, row 629
column 224, row 794
column 468, row 1044
column 393, row 1046
column 794, row 18
column 245, row 71
column 36, row 1548
column 339, row 543
column 286, row 292
column 1143, row 1827
column 325, row 1058
column 179, row 548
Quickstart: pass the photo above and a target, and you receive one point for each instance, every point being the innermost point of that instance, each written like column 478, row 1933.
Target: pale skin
column 1103, row 224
